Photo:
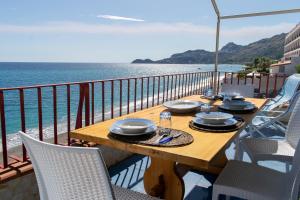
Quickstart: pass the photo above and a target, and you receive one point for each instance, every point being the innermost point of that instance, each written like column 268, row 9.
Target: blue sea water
column 26, row 74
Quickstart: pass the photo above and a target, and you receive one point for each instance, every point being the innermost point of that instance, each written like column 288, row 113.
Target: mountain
column 230, row 53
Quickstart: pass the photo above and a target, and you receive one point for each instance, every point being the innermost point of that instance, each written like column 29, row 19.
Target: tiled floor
column 129, row 173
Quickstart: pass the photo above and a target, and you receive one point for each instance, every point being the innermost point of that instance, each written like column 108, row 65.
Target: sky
column 123, row 30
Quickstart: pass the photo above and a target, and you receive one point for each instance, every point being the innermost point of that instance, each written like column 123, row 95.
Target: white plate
column 118, row 131
column 214, row 117
column 226, row 107
column 132, row 126
column 237, row 104
column 226, row 123
column 234, row 96
column 182, row 106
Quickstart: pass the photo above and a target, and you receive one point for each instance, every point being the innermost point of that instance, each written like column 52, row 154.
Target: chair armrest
column 272, row 113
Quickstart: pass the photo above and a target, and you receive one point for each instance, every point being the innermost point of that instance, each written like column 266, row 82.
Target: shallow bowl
column 182, row 106
column 214, row 117
column 134, row 125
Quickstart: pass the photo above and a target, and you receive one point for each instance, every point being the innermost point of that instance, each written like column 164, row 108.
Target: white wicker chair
column 281, row 150
column 242, row 89
column 290, row 87
column 65, row 173
column 275, row 118
column 253, row 182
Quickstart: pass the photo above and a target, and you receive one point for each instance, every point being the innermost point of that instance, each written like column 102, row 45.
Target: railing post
column 69, row 112
column 153, row 90
column 134, row 97
column 23, row 124
column 87, row 104
column 175, row 87
column 103, row 99
column 40, row 113
column 142, row 93
column 112, row 99
column 93, row 102
column 84, row 96
column 267, row 86
column 164, row 87
column 121, row 99
column 171, row 92
column 259, row 83
column 275, row 85
column 3, row 130
column 148, row 85
column 218, row 86
column 158, row 90
column 128, row 96
column 167, row 96
column 55, row 115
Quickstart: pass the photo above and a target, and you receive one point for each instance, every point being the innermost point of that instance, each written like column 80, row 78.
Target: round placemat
column 150, row 140
column 235, row 127
column 238, row 111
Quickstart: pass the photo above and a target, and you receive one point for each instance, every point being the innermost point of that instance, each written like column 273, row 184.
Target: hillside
column 230, row 53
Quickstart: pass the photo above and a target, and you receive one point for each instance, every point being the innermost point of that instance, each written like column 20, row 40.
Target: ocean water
column 27, row 74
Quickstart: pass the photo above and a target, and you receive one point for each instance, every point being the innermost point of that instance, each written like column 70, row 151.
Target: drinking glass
column 205, row 108
column 227, row 97
column 165, row 123
column 209, row 92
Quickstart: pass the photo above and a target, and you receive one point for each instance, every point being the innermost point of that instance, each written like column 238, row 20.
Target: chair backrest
column 293, row 132
column 65, row 173
column 287, row 113
column 241, row 89
column 290, row 86
column 293, row 128
column 294, row 175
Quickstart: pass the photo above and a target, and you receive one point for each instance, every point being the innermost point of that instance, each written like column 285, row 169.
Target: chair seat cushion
column 127, row 194
column 250, row 181
column 264, row 149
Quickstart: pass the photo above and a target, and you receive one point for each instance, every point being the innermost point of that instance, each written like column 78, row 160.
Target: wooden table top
column 199, row 153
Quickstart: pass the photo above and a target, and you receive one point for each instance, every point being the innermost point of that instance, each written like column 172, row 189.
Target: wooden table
column 206, row 153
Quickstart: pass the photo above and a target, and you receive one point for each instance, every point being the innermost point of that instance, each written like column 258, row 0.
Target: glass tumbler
column 165, row 123
column 209, row 92
column 205, row 108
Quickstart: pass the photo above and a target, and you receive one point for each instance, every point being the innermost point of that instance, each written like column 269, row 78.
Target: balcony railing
column 86, row 103
column 72, row 105
column 266, row 85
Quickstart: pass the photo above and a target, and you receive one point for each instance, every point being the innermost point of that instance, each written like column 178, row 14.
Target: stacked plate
column 237, row 105
column 182, row 106
column 234, row 96
column 215, row 120
column 133, row 127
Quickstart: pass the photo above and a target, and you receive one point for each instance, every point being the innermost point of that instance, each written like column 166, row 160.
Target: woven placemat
column 235, row 127
column 151, row 139
column 238, row 111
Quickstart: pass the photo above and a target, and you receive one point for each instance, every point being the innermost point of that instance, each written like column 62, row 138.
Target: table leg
column 162, row 180
column 216, row 165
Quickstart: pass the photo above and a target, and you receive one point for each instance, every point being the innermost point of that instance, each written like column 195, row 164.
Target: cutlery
column 161, row 137
column 167, row 139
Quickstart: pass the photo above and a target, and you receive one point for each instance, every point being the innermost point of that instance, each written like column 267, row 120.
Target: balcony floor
column 129, row 173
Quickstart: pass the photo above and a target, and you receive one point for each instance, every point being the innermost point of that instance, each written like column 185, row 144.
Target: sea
column 15, row 74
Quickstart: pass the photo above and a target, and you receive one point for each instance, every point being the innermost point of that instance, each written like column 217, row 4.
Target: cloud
column 113, row 17
column 190, row 29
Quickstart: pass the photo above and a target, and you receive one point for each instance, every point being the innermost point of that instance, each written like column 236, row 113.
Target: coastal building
column 291, row 56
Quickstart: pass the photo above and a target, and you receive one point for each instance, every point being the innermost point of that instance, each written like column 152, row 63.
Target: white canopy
column 242, row 15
